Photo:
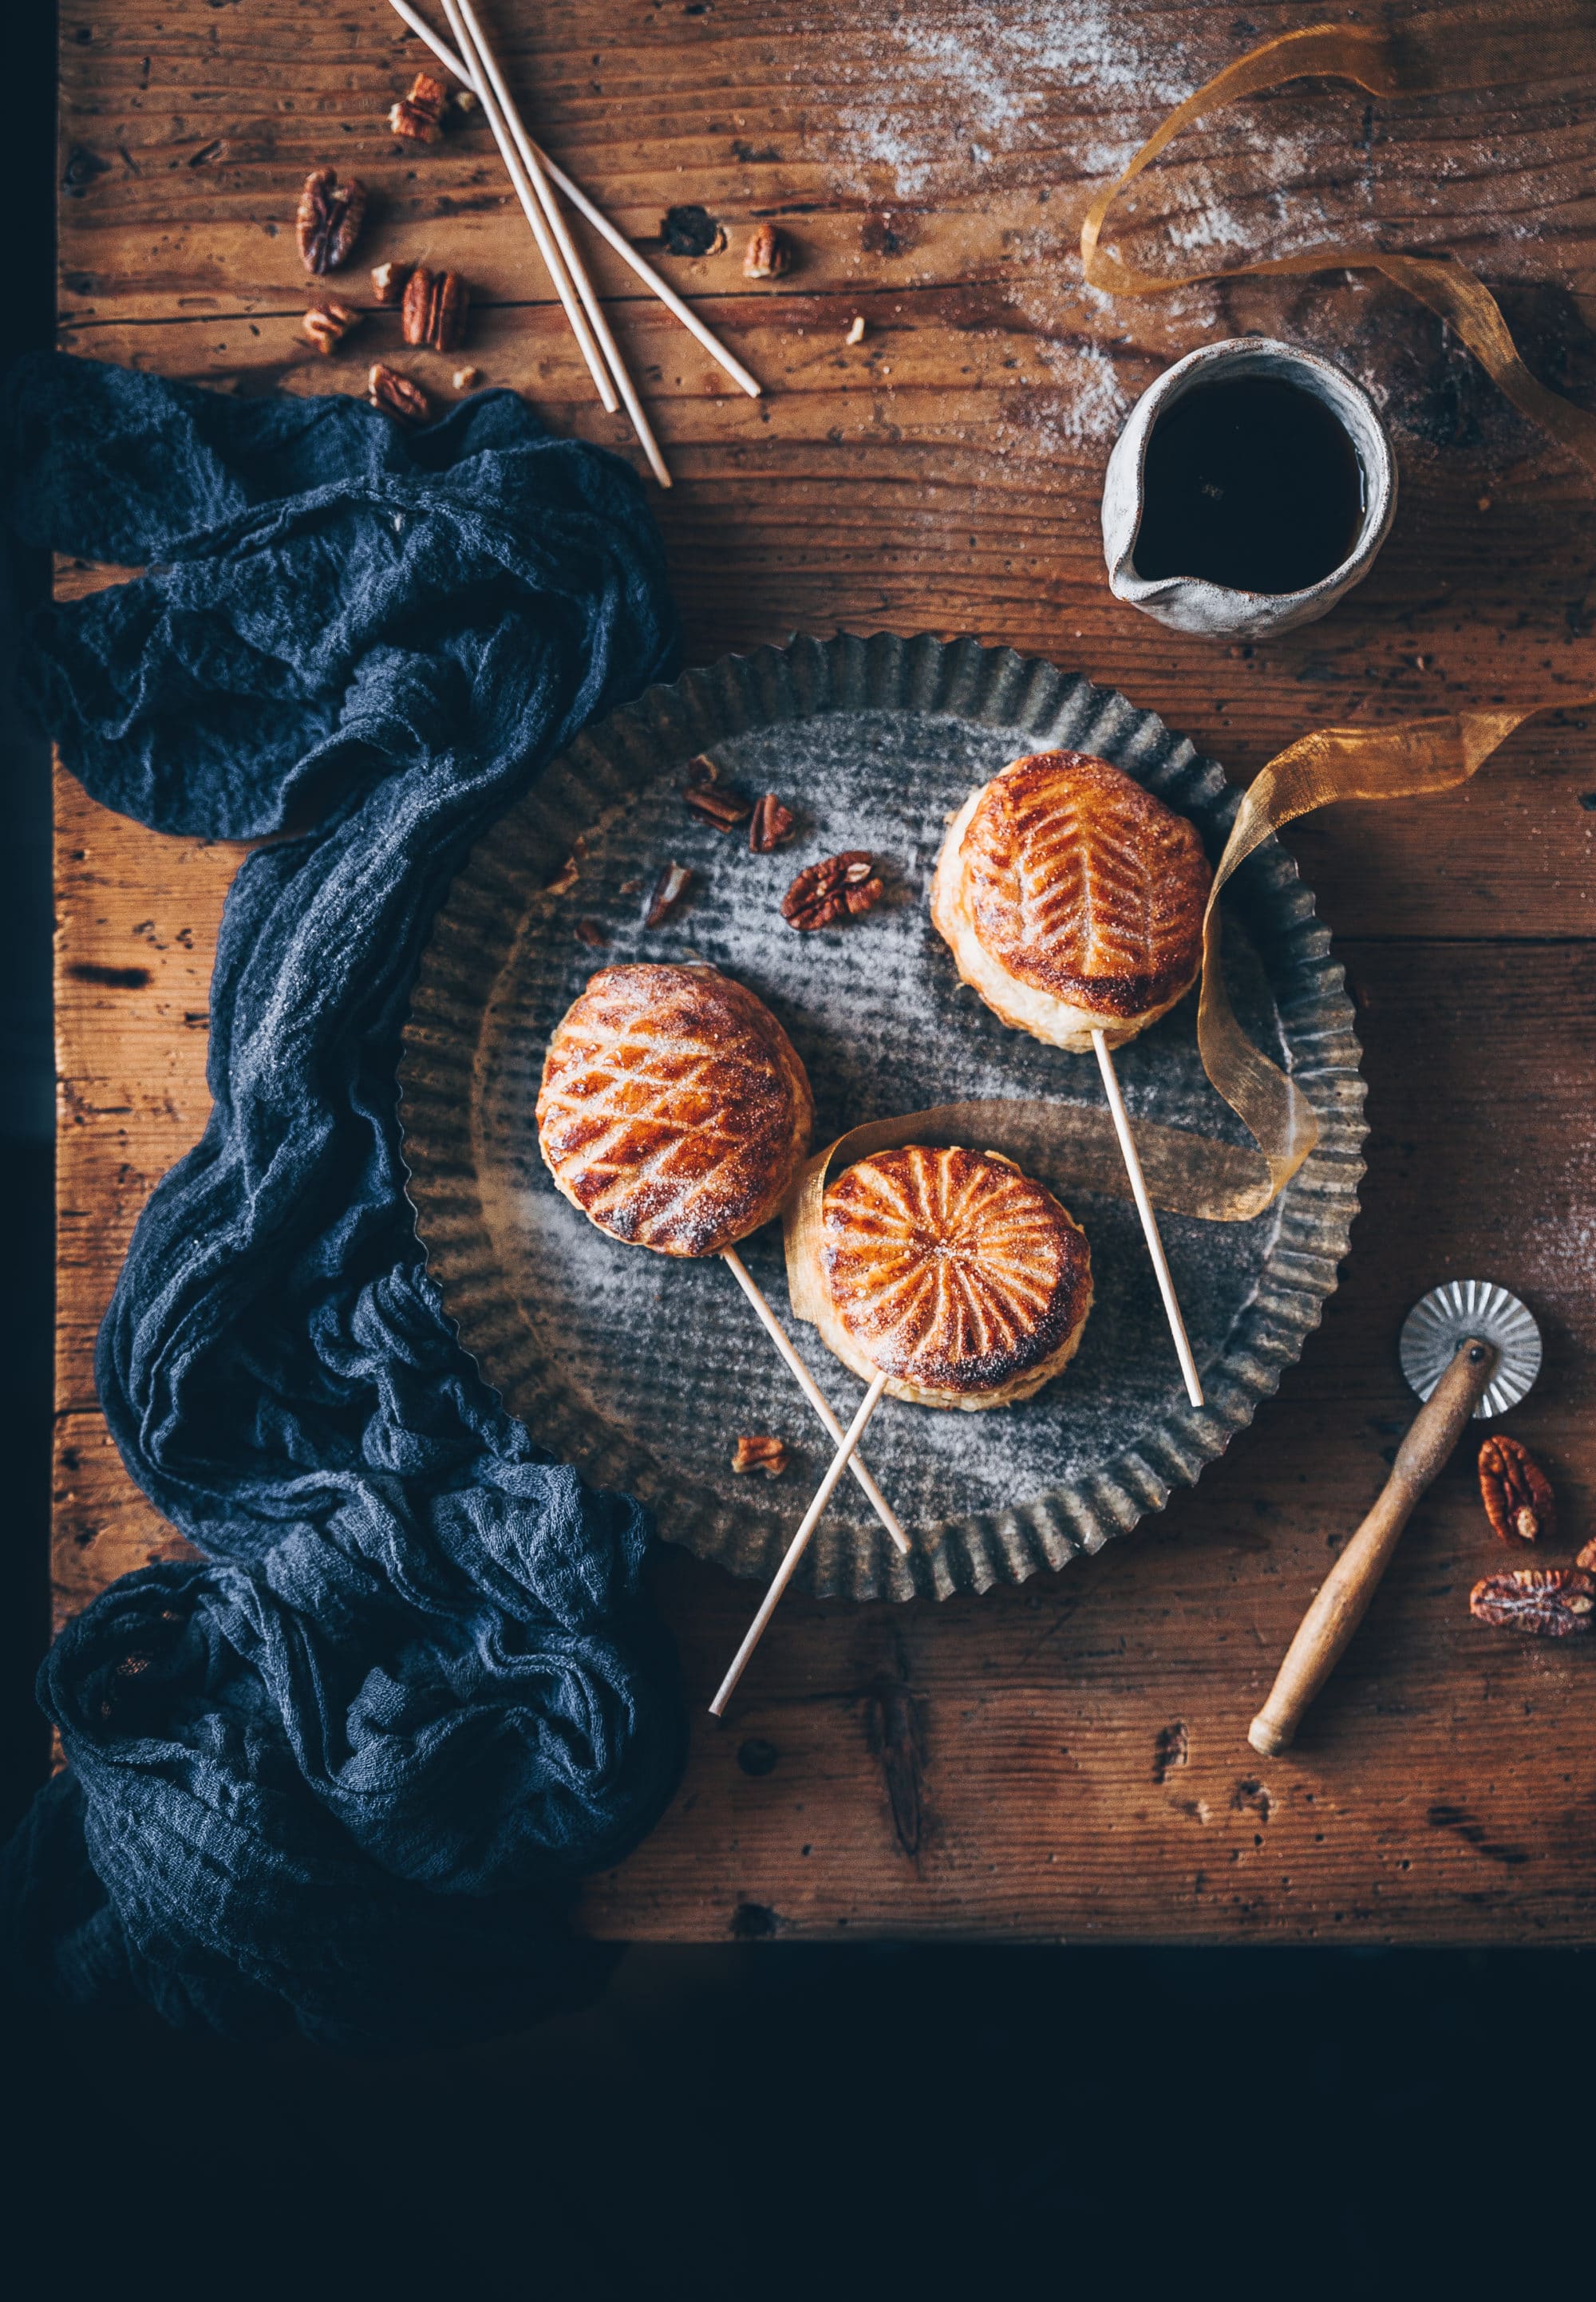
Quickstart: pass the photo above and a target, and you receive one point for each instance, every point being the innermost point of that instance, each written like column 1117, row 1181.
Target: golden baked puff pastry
column 1073, row 900
column 673, row 1110
column 960, row 1277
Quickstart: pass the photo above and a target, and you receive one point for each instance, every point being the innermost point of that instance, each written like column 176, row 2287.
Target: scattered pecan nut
column 590, row 933
column 670, row 889
column 465, row 379
column 396, row 395
column 434, row 309
column 1550, row 1602
column 843, row 886
column 329, row 221
column 772, row 825
column 388, row 281
column 1518, row 1499
column 420, row 114
column 760, row 1454
column 718, row 804
column 768, row 255
column 567, row 874
column 327, row 324
column 1585, row 1556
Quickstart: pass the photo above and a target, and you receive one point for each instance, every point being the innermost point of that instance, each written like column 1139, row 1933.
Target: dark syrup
column 1254, row 485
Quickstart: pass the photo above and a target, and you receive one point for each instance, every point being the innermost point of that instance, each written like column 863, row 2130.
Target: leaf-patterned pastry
column 673, row 1111
column 1072, row 898
column 960, row 1277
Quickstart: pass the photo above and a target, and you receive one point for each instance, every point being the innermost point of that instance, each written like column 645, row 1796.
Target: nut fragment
column 329, row 221
column 1517, row 1491
column 1550, row 1602
column 719, row 804
column 703, row 769
column 670, row 889
column 760, row 1454
column 568, row 873
column 420, row 114
column 464, row 99
column 395, row 394
column 590, row 932
column 772, row 824
column 434, row 309
column 1585, row 1556
column 465, row 378
column 843, row 886
column 855, row 334
column 327, row 324
column 768, row 255
column 388, row 281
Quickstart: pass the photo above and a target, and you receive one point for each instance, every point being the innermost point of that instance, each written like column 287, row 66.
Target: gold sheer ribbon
column 1451, row 50
column 1074, row 1145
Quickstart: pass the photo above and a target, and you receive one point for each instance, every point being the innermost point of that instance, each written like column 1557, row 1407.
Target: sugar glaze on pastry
column 1073, row 900
column 962, row 1279
column 673, row 1110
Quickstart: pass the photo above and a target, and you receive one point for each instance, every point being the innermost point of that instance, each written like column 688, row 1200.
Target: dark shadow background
column 765, row 2119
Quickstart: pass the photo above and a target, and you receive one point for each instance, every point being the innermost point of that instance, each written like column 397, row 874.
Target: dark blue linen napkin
column 339, row 1773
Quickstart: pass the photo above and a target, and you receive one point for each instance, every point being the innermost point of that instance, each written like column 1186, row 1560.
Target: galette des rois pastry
column 1073, row 900
column 960, row 1277
column 673, row 1111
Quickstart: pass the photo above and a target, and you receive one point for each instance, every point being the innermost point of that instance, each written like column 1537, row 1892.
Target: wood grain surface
column 1068, row 1759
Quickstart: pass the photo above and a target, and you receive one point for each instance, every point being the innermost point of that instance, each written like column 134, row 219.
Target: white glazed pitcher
column 1190, row 603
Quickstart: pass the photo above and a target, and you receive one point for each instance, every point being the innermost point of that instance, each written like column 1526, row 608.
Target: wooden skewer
column 796, row 1548
column 595, row 216
column 1149, row 1221
column 812, row 1392
column 528, row 198
column 483, row 54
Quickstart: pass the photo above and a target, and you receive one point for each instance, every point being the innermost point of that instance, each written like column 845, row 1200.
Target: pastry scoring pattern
column 673, row 1111
column 952, row 1271
column 1083, row 884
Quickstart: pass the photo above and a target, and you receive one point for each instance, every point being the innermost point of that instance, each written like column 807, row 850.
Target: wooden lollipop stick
column 799, row 1544
column 812, row 1392
column 552, row 261
column 595, row 216
column 477, row 48
column 1149, row 1221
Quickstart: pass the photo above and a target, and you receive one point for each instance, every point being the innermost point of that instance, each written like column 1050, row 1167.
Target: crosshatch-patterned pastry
column 673, row 1111
column 1073, row 900
column 960, row 1277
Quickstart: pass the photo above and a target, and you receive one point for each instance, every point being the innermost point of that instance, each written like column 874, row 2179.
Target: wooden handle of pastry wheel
column 799, row 1544
column 1350, row 1584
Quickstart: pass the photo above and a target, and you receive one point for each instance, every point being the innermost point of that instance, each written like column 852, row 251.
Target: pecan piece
column 1550, row 1602
column 843, row 886
column 718, row 804
column 329, row 221
column 396, row 395
column 760, row 1454
column 701, row 769
column 670, row 889
column 772, row 824
column 420, row 114
column 1585, row 1556
column 327, row 324
column 434, row 309
column 768, row 255
column 388, row 281
column 590, row 933
column 1517, row 1491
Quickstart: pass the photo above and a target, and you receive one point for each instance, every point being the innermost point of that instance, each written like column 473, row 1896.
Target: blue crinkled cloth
column 341, row 1773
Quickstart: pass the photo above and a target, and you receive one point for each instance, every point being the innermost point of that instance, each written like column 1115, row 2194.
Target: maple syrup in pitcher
column 1252, row 483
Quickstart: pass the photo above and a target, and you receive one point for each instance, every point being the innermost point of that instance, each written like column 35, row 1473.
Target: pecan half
column 1552, row 1603
column 434, row 309
column 327, row 324
column 420, row 114
column 670, row 889
column 843, row 886
column 396, row 395
column 768, row 255
column 388, row 281
column 701, row 769
column 772, row 824
column 329, row 221
column 1585, row 1556
column 760, row 1454
column 1518, row 1493
column 590, row 933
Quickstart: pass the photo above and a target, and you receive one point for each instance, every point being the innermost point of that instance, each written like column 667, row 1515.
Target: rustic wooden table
column 1068, row 1759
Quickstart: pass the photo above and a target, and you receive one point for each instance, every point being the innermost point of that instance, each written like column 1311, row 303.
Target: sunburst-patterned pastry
column 962, row 1280
column 673, row 1111
column 1073, row 900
